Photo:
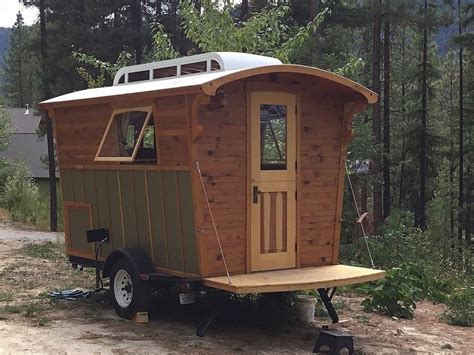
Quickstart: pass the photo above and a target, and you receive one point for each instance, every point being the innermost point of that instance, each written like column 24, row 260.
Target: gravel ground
column 30, row 323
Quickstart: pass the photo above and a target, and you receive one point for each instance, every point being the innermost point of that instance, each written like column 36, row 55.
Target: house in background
column 25, row 145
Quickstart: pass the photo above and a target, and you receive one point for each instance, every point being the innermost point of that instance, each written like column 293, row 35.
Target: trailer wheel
column 129, row 294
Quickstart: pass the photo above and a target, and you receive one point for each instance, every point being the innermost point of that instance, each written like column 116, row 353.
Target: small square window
column 128, row 131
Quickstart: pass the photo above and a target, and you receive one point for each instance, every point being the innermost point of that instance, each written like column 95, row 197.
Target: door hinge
column 296, row 109
column 296, row 195
column 296, row 165
column 296, row 246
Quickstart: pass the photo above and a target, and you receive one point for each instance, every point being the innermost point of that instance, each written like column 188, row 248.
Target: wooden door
column 272, row 181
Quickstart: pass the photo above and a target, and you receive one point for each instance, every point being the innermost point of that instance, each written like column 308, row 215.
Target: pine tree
column 19, row 66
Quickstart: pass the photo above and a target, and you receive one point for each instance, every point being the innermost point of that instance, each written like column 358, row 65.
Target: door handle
column 256, row 192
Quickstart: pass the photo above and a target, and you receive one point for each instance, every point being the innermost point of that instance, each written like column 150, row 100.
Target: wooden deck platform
column 295, row 279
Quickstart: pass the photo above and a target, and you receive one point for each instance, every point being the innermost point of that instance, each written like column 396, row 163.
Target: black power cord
column 76, row 293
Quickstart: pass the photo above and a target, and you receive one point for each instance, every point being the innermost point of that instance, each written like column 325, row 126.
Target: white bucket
column 305, row 307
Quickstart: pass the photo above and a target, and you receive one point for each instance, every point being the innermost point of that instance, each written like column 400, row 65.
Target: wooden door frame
column 296, row 90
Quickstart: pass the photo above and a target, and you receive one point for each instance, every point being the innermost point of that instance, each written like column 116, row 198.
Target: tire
column 128, row 293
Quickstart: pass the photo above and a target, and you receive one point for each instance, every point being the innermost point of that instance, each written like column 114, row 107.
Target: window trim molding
column 131, row 159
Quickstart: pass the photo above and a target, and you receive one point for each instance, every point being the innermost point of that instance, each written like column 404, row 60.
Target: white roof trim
column 144, row 86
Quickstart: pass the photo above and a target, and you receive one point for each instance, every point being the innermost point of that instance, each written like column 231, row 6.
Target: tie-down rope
column 359, row 220
column 213, row 223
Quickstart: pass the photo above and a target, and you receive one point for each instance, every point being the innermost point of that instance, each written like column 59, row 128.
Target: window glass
column 215, row 65
column 193, row 68
column 122, row 138
column 273, row 137
column 139, row 76
column 164, row 72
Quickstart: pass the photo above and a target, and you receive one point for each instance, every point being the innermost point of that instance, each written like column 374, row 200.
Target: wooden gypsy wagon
column 224, row 170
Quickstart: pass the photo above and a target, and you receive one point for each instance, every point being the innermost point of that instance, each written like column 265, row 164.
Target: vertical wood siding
column 320, row 154
column 152, row 210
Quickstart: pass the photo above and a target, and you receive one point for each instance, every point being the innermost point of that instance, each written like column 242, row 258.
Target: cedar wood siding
column 223, row 158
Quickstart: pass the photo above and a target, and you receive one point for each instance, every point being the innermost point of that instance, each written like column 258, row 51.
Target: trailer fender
column 138, row 257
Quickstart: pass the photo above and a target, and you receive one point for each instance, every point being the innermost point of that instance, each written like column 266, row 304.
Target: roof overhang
column 208, row 83
column 211, row 87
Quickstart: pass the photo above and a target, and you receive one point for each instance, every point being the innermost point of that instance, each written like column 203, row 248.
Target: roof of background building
column 25, row 145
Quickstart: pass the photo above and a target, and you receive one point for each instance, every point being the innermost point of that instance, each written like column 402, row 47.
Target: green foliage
column 265, row 32
column 20, row 65
column 20, row 196
column 395, row 295
column 103, row 70
column 352, row 69
column 162, row 47
column 47, row 250
column 5, row 128
column 460, row 308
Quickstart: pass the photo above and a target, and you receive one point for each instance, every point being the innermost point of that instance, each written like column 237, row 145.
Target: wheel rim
column 123, row 288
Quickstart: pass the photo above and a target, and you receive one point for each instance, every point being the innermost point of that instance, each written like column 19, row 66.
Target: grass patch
column 460, row 308
column 40, row 321
column 47, row 250
column 32, row 309
column 5, row 297
column 12, row 309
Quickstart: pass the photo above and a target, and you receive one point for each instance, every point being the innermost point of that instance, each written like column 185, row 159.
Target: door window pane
column 273, row 137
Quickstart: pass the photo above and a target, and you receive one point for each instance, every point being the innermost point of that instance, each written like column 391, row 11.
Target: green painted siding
column 77, row 185
column 128, row 209
column 79, row 223
column 103, row 211
column 141, row 210
column 117, row 240
column 66, row 185
column 191, row 263
column 157, row 218
column 160, row 221
column 173, row 225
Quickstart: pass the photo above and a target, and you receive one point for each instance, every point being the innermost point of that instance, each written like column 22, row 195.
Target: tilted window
column 129, row 137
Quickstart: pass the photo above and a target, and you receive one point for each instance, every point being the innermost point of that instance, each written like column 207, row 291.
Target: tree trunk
column 244, row 10
column 158, row 10
column 314, row 8
column 53, row 216
column 386, row 113
column 376, row 120
column 461, row 138
column 451, row 157
column 136, row 21
column 403, row 101
column 421, row 220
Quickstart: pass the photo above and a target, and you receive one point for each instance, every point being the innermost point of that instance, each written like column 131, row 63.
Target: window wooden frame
column 131, row 159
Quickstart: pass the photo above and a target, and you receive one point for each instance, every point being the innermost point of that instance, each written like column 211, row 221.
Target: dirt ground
column 31, row 322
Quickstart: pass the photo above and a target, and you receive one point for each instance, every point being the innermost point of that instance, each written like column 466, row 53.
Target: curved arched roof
column 211, row 87
column 208, row 83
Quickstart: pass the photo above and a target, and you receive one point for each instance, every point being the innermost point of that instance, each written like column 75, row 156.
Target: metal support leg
column 326, row 298
column 205, row 323
column 210, row 317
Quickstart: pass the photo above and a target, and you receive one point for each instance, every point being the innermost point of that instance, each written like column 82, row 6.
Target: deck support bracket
column 326, row 297
column 215, row 309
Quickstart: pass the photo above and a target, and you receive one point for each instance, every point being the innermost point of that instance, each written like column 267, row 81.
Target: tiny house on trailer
column 224, row 169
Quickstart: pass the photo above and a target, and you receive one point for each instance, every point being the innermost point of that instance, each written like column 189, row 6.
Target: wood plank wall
column 222, row 153
column 223, row 160
column 319, row 166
